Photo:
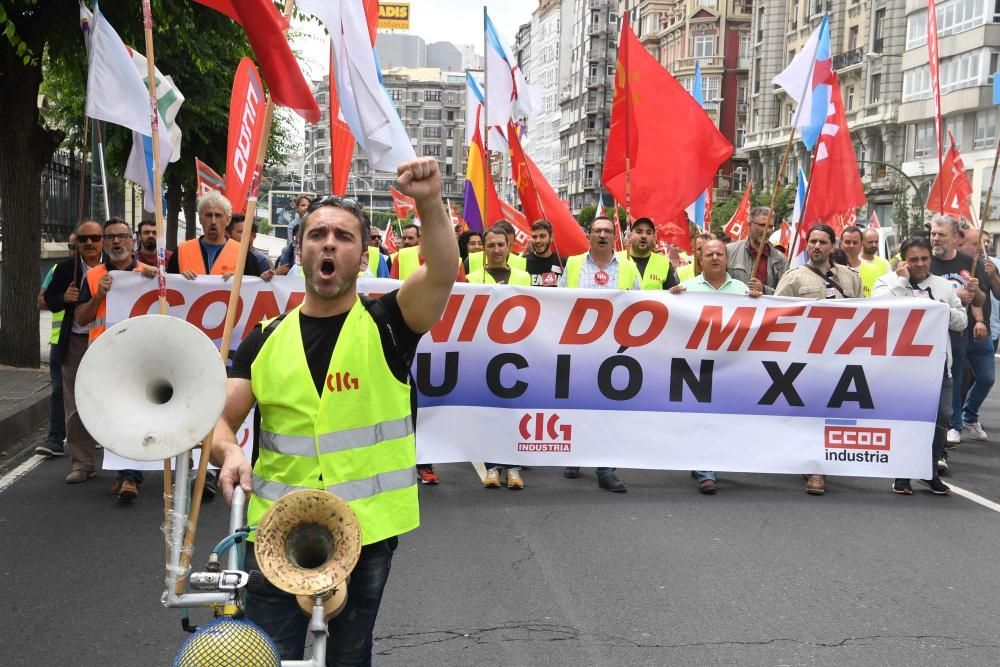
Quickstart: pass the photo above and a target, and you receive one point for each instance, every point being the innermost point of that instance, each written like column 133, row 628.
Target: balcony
column 847, row 59
column 594, row 106
column 590, row 158
column 592, row 133
column 742, row 108
column 598, row 28
column 597, row 4
column 689, row 63
column 743, row 63
column 743, row 7
column 596, row 81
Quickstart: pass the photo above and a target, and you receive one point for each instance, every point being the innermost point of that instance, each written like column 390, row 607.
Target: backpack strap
column 378, row 313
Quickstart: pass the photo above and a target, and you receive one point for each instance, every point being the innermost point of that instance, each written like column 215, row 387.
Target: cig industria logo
column 541, row 432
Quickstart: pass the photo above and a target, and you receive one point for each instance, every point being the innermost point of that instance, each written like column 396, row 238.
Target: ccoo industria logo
column 544, row 433
column 844, row 440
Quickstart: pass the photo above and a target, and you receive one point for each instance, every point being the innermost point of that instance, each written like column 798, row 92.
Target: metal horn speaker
column 151, row 387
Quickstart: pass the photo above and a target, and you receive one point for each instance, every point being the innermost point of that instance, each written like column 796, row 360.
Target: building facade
column 542, row 69
column 867, row 39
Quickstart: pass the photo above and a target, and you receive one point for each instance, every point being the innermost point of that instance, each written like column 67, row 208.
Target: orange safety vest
column 189, row 258
column 94, row 276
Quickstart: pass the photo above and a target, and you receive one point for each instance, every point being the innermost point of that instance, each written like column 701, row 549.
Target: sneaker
column 937, row 487
column 78, row 476
column 128, row 491
column 514, row 480
column 942, row 465
column 902, row 487
column 707, row 486
column 976, row 429
column 51, row 449
column 571, row 473
column 492, row 479
column 954, row 436
column 816, row 485
column 427, row 475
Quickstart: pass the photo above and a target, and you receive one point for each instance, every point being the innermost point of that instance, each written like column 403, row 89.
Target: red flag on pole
column 672, row 156
column 389, row 239
column 738, row 227
column 208, row 179
column 934, row 59
column 265, row 27
column 675, row 231
column 835, row 183
column 619, row 236
column 402, row 204
column 950, row 192
column 540, row 201
column 246, row 129
column 785, row 236
column 873, row 222
column 522, row 228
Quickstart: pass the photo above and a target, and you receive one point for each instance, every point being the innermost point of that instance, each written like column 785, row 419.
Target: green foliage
column 26, row 55
column 586, row 215
column 723, row 210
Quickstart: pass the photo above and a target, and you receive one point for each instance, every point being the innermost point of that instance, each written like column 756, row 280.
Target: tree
column 198, row 47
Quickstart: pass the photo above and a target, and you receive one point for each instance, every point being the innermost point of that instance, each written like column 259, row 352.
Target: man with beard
column 147, row 244
column 211, row 254
column 601, row 268
column 542, row 263
column 234, row 230
column 819, row 279
column 654, row 269
column 63, row 293
column 873, row 267
column 91, row 312
column 972, row 348
column 742, row 255
column 357, row 444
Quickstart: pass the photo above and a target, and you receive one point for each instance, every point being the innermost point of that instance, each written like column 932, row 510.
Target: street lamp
column 371, row 191
column 913, row 184
column 302, row 171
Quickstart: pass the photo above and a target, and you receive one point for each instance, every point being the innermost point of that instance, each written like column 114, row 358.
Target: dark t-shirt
column 501, row 276
column 668, row 282
column 957, row 271
column 319, row 337
column 544, row 271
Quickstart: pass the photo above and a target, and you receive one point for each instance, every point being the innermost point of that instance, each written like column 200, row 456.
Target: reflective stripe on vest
column 355, row 441
column 189, row 258
column 628, row 272
column 657, row 268
column 363, row 436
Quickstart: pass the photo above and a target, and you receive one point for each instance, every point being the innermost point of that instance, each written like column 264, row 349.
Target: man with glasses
column 601, row 268
column 357, row 442
column 91, row 312
column 378, row 261
column 62, row 294
column 743, row 254
column 57, row 417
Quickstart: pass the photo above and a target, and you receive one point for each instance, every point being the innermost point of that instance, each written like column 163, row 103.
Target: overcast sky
column 456, row 21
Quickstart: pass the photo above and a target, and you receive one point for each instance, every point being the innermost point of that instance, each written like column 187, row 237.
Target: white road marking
column 974, row 497
column 20, row 471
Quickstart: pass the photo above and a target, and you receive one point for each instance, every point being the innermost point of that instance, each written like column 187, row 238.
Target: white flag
column 364, row 104
column 507, row 92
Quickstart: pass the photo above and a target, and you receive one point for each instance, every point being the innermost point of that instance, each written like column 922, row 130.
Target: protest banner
column 646, row 379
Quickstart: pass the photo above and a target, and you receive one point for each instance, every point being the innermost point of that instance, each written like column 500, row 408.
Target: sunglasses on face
column 90, row 238
column 117, row 237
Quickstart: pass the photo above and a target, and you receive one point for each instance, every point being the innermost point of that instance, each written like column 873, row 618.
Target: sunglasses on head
column 92, row 238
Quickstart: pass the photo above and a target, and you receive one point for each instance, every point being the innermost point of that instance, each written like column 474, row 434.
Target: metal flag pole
column 487, row 172
column 104, row 173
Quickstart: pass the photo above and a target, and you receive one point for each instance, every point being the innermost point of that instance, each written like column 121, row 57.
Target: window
column 795, row 15
column 986, row 129
column 432, row 114
column 789, row 114
column 960, row 15
column 916, row 29
column 451, row 115
column 756, row 75
column 955, row 126
column 850, row 98
column 432, row 96
column 879, row 30
column 711, row 88
column 876, row 92
column 760, row 24
column 414, row 96
column 746, row 46
column 960, row 71
column 396, row 94
column 852, row 38
column 449, row 169
column 924, row 142
column 432, row 131
column 741, row 91
column 791, row 57
column 452, row 98
column 741, row 136
column 740, row 178
column 916, row 83
column 432, row 149
column 704, row 46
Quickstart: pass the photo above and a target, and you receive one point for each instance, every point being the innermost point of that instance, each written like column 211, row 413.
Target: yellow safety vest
column 628, row 272
column 356, row 440
column 374, row 257
column 517, row 277
column 513, row 261
column 656, row 269
column 685, row 272
column 57, row 316
column 870, row 272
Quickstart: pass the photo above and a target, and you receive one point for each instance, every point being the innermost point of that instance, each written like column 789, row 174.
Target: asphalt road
column 563, row 573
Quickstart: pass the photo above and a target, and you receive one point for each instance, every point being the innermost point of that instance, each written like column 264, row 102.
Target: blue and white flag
column 807, row 80
column 696, row 210
column 507, row 91
column 802, row 256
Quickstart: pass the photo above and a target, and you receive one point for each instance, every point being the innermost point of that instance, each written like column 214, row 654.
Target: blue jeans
column 57, row 413
column 702, row 475
column 977, row 355
column 350, row 643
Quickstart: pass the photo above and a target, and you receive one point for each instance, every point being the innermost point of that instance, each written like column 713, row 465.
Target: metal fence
column 60, row 197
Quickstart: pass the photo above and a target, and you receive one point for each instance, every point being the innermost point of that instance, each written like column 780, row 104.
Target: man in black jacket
column 63, row 293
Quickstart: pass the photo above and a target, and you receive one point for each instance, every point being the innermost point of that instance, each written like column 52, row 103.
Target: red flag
column 540, row 201
column 389, row 239
column 522, row 228
column 265, row 27
column 709, row 197
column 834, row 184
column 456, row 219
column 402, row 204
column 738, row 227
column 208, row 179
column 674, row 231
column 873, row 222
column 341, row 139
column 619, row 236
column 950, row 192
column 246, row 129
column 785, row 236
column 934, row 59
column 673, row 156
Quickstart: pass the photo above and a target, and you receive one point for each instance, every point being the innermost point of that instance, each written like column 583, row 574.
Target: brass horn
column 307, row 544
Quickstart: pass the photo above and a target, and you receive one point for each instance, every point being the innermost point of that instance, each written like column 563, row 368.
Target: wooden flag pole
column 805, row 200
column 769, row 225
column 984, row 209
column 227, row 332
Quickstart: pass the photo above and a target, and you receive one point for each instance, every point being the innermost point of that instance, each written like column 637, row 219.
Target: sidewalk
column 24, row 396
